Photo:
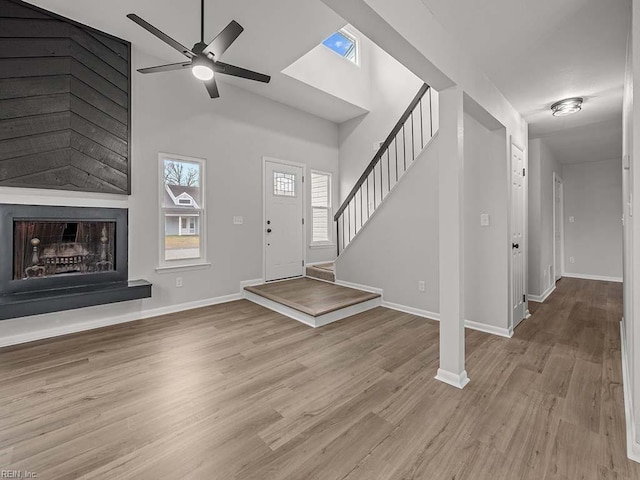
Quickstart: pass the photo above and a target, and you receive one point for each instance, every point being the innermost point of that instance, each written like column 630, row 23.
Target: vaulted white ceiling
column 535, row 52
column 538, row 52
column 276, row 33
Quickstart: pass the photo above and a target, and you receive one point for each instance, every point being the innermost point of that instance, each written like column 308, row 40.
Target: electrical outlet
column 572, row 259
column 422, row 287
column 178, row 282
column 572, row 219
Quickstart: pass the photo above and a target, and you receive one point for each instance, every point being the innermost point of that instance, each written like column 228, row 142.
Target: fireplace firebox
column 51, row 255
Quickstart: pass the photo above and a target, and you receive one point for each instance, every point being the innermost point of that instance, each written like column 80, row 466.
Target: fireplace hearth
column 63, row 258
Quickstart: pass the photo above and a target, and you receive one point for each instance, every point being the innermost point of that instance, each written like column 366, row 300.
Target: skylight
column 343, row 44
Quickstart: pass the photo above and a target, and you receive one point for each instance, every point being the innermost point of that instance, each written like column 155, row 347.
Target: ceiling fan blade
column 224, row 39
column 161, row 35
column 165, row 68
column 227, row 69
column 212, row 88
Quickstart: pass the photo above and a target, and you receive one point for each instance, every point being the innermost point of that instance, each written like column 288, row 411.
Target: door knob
column 515, row 245
column 268, row 230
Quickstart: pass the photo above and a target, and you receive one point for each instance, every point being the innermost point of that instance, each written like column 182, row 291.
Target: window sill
column 182, row 267
column 322, row 245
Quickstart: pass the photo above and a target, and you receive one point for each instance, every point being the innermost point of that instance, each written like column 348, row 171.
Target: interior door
column 283, row 199
column 557, row 217
column 517, row 235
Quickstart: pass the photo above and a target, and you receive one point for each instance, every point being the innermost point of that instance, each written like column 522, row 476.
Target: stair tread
column 313, row 297
column 322, row 271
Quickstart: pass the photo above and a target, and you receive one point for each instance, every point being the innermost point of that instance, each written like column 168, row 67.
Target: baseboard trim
column 544, row 296
column 458, row 380
column 250, row 283
column 481, row 327
column 357, row 286
column 493, row 330
column 412, row 310
column 583, row 276
column 109, row 321
column 633, row 447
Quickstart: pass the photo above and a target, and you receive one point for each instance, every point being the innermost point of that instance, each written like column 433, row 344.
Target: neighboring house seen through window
column 321, row 208
column 182, row 208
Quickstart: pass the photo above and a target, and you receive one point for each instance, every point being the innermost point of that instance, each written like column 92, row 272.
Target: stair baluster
column 406, row 128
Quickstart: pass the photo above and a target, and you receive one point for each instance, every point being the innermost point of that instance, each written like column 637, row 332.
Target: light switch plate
column 484, row 219
column 572, row 219
column 238, row 220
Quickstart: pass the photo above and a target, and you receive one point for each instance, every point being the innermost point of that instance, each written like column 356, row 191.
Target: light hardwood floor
column 236, row 391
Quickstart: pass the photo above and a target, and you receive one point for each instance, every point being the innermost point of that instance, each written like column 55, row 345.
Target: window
column 321, row 208
column 344, row 44
column 284, row 184
column 182, row 212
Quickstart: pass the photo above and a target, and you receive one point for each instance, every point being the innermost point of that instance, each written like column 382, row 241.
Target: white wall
column 392, row 87
column 486, row 184
column 172, row 113
column 631, row 236
column 542, row 166
column 592, row 196
column 411, row 34
column 398, row 246
column 325, row 70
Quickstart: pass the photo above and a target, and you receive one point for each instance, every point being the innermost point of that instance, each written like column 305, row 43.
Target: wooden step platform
column 323, row 271
column 313, row 302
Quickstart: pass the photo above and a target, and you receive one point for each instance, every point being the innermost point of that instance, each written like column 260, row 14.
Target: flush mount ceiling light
column 566, row 106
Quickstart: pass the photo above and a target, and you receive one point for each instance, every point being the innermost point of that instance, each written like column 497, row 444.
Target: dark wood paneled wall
column 64, row 103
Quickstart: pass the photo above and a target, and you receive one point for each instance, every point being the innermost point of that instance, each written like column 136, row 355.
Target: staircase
column 315, row 299
column 395, row 156
column 323, row 271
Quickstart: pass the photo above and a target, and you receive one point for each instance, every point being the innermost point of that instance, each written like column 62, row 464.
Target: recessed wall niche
column 64, row 103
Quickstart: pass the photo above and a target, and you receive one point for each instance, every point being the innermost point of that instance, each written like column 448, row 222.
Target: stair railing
column 405, row 142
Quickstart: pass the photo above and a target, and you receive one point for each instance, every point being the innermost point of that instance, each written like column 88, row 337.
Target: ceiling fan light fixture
column 567, row 106
column 201, row 69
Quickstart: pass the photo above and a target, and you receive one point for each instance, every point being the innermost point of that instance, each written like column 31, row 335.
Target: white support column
column 451, row 238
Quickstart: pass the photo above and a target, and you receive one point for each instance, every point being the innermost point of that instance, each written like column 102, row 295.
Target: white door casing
column 518, row 304
column 558, row 234
column 283, row 220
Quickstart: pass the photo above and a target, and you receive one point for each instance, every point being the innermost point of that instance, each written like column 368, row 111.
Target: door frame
column 289, row 163
column 558, row 178
column 525, row 232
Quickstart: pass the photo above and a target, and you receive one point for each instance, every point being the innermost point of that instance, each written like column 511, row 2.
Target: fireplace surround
column 58, row 258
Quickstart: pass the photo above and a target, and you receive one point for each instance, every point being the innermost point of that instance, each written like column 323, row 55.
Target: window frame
column 328, row 208
column 182, row 263
column 344, row 31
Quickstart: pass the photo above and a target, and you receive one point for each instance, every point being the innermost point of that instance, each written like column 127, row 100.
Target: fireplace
column 57, row 252
column 44, row 248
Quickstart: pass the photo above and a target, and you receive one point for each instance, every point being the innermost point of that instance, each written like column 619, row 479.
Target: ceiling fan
column 203, row 58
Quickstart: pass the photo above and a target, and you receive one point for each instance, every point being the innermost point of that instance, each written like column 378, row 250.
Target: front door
column 517, row 235
column 283, row 197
